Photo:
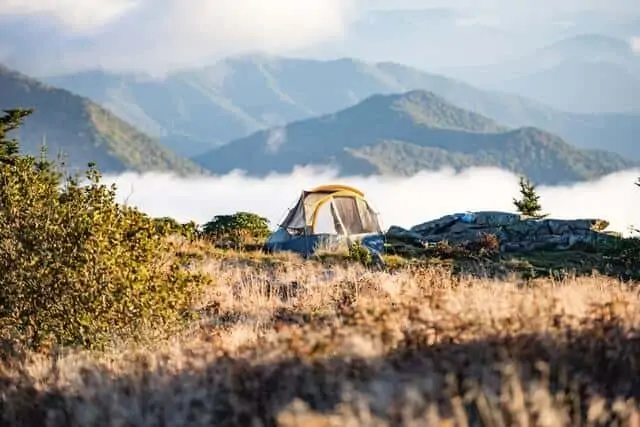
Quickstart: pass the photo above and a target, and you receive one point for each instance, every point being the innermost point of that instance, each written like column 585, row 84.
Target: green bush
column 237, row 230
column 77, row 267
column 359, row 253
column 623, row 252
column 487, row 244
column 168, row 225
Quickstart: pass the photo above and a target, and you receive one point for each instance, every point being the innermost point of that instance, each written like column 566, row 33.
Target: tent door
column 338, row 223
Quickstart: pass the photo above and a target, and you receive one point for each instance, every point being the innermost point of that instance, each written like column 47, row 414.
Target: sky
column 400, row 201
column 159, row 36
column 162, row 35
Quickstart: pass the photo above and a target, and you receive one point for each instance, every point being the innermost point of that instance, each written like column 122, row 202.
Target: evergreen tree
column 12, row 119
column 529, row 204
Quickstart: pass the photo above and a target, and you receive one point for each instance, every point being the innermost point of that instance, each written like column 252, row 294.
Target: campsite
column 337, row 221
column 319, row 213
column 112, row 317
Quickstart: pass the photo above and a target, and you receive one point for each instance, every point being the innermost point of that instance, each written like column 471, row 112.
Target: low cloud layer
column 635, row 44
column 400, row 201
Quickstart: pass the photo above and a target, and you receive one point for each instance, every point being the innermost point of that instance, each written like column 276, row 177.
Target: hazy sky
column 161, row 35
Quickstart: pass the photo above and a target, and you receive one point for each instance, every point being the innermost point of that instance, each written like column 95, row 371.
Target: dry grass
column 292, row 344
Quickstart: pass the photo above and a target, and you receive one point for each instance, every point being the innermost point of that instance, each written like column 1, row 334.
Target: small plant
column 529, row 204
column 168, row 225
column 623, row 252
column 237, row 230
column 487, row 244
column 445, row 250
column 359, row 253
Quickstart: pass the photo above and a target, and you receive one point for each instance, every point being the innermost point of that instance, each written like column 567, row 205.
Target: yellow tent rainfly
column 328, row 215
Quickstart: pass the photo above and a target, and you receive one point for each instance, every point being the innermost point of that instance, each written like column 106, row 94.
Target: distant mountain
column 586, row 48
column 588, row 73
column 448, row 36
column 589, row 46
column 194, row 111
column 188, row 112
column 582, row 86
column 593, row 21
column 430, row 37
column 82, row 131
column 403, row 134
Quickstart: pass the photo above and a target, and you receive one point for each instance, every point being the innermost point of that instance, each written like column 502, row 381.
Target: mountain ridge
column 84, row 131
column 607, row 66
column 204, row 108
column 392, row 134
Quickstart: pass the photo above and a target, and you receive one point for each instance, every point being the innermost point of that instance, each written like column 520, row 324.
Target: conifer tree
column 529, row 204
column 11, row 120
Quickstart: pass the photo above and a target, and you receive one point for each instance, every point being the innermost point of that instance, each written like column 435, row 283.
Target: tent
column 328, row 216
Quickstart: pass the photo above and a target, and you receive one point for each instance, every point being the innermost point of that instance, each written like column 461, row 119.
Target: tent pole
column 305, row 234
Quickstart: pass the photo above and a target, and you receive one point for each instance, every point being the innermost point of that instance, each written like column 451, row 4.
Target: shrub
column 237, row 230
column 623, row 252
column 77, row 267
column 360, row 254
column 487, row 244
column 168, row 225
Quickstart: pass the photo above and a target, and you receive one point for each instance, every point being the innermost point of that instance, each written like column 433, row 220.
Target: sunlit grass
column 292, row 343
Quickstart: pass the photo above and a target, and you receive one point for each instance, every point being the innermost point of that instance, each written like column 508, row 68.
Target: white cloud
column 635, row 44
column 162, row 35
column 45, row 37
column 73, row 15
column 400, row 201
column 479, row 20
column 277, row 137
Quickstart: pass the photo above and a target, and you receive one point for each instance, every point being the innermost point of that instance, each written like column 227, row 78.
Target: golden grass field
column 291, row 343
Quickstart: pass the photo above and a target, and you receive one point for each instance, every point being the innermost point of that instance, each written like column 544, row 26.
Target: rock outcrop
column 516, row 233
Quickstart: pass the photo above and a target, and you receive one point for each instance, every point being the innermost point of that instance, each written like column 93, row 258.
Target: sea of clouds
column 400, row 201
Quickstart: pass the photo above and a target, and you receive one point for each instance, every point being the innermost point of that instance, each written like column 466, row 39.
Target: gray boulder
column 516, row 233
